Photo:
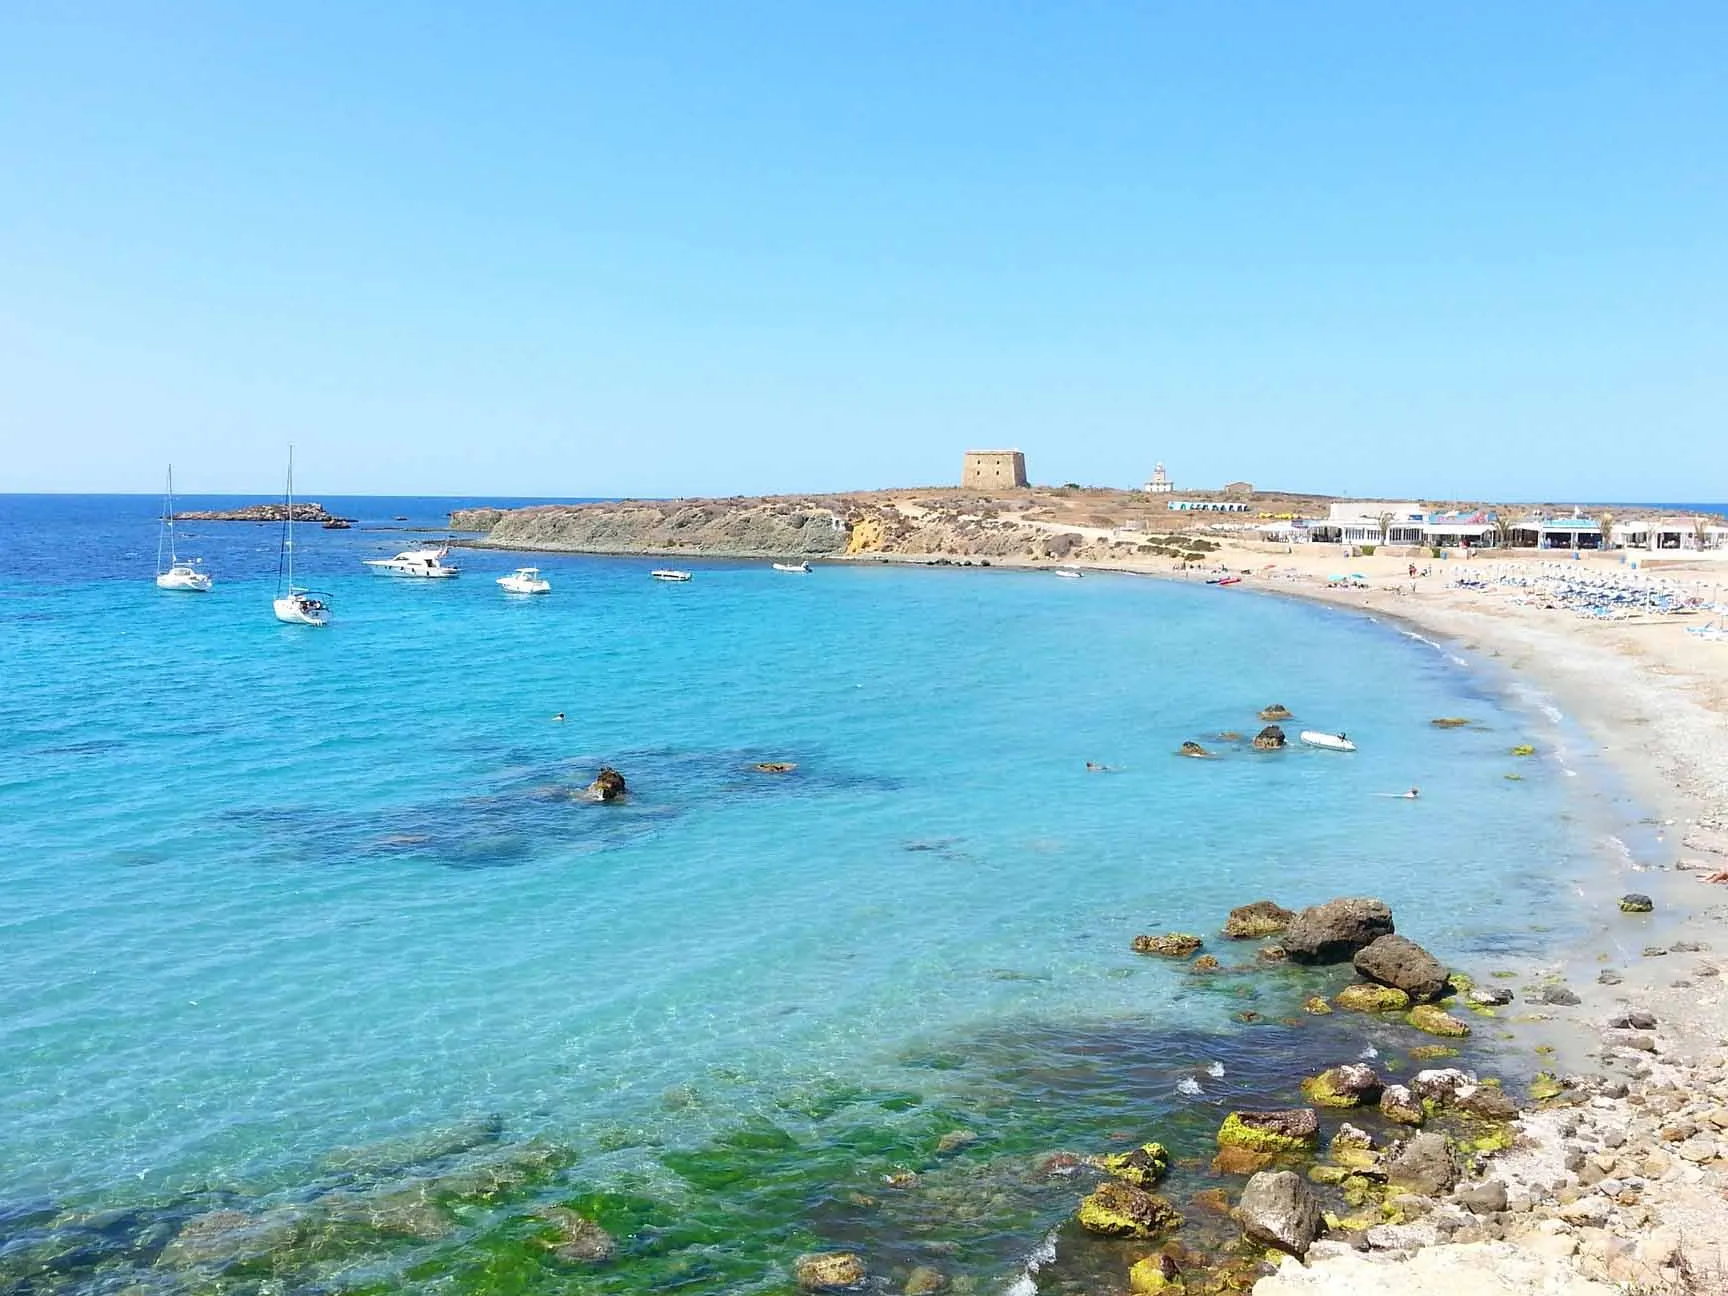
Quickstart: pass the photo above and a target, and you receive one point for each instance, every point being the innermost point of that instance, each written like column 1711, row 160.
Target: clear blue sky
column 645, row 248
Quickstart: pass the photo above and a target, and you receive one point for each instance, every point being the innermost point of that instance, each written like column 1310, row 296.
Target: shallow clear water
column 270, row 892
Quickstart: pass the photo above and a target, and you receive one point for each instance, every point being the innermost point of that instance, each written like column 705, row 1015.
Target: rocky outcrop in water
column 1403, row 964
column 304, row 511
column 1261, row 918
column 1278, row 1209
column 1334, row 931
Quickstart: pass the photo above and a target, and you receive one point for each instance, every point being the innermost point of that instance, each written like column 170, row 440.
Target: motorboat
column 293, row 605
column 525, row 580
column 1068, row 573
column 669, row 574
column 178, row 575
column 801, row 567
column 427, row 564
column 1328, row 741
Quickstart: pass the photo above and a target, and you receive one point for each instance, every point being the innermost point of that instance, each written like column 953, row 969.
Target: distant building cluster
column 1405, row 522
column 987, row 470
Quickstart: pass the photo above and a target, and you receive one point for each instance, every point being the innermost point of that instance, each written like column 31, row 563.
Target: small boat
column 295, row 606
column 1330, row 741
column 426, row 564
column 1225, row 580
column 525, row 580
column 179, row 575
column 669, row 574
column 338, row 524
column 803, row 567
column 1068, row 573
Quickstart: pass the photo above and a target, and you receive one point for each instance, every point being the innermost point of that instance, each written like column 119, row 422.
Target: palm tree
column 1502, row 532
column 1385, row 520
column 1606, row 523
column 1700, row 532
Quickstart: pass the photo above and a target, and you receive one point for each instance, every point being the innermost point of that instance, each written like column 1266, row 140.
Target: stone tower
column 993, row 470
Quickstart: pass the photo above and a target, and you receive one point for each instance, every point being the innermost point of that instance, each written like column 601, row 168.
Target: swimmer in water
column 1412, row 794
column 559, row 716
column 1092, row 767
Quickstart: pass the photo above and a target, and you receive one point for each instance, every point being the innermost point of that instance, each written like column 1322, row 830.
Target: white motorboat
column 295, row 606
column 1067, row 573
column 178, row 575
column 801, row 567
column 1329, row 741
column 427, row 564
column 669, row 574
column 525, row 580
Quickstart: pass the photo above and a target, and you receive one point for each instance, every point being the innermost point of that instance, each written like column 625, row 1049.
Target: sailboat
column 180, row 575
column 294, row 605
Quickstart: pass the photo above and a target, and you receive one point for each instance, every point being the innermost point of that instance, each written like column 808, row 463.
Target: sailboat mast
column 164, row 524
column 290, row 519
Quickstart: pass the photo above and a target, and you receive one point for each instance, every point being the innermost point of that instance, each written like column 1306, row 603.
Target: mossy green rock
column 1435, row 1020
column 1342, row 1086
column 1252, row 921
column 1635, row 903
column 1155, row 1274
column 1545, row 1086
column 1523, row 749
column 1143, row 1167
column 1316, row 1006
column 1120, row 1209
column 1271, row 1133
column 1369, row 998
column 829, row 1271
column 1429, row 1052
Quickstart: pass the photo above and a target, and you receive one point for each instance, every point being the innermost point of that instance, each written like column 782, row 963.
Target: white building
column 1160, row 483
column 1392, row 522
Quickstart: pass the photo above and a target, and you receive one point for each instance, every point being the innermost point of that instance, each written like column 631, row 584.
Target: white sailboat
column 294, row 605
column 179, row 575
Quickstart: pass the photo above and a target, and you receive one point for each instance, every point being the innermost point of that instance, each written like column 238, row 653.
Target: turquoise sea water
column 272, row 893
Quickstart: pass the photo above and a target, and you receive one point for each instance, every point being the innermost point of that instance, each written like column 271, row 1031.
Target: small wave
column 1027, row 1283
column 1215, row 1069
column 1190, row 1086
column 1369, row 1051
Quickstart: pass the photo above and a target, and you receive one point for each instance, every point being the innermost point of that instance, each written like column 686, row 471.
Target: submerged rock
column 579, row 1240
column 222, row 1238
column 1403, row 964
column 1334, row 931
column 775, row 767
column 417, row 1149
column 1143, row 1167
column 923, row 1281
column 1634, row 902
column 1271, row 738
column 1278, row 1209
column 1272, row 1133
column 1261, row 918
column 1193, row 749
column 829, row 1271
column 1363, row 997
column 1120, row 1209
column 1351, row 1085
column 1206, row 963
column 1449, row 722
column 1316, row 1006
column 1436, row 1021
column 1171, row 945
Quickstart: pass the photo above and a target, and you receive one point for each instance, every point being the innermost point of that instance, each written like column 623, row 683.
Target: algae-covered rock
column 1431, row 1052
column 1633, row 902
column 578, row 1240
column 1402, row 963
column 1271, row 738
column 1546, row 1086
column 1119, row 1209
column 1206, row 963
column 1524, row 749
column 1261, row 918
column 1143, row 1167
column 1436, row 1021
column 221, row 1239
column 1353, row 1149
column 1316, row 1006
column 1272, row 1133
column 827, row 1271
column 1155, row 1274
column 1399, row 1105
column 1449, row 722
column 1278, row 1209
column 1233, row 1160
column 1369, row 998
column 1178, row 945
column 1441, row 1085
column 925, row 1281
column 1350, row 1085
column 1193, row 749
column 1334, row 931
column 1423, row 1165
column 417, row 1149
column 1277, row 711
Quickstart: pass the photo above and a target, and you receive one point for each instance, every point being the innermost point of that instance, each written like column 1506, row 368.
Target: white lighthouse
column 1160, row 483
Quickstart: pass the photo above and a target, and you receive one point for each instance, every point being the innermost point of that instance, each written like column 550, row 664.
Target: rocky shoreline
column 306, row 511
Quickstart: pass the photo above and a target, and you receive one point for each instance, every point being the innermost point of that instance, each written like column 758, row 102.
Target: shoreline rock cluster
column 304, row 511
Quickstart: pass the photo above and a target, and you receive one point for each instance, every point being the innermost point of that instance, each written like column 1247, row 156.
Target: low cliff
column 819, row 527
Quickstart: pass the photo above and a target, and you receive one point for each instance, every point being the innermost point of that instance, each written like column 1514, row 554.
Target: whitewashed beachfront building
column 1209, row 506
column 1670, row 534
column 1357, row 522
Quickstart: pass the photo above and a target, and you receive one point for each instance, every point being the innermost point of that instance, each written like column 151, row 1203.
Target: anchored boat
column 179, row 575
column 669, row 574
column 1329, row 741
column 427, row 564
column 525, row 580
column 293, row 605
